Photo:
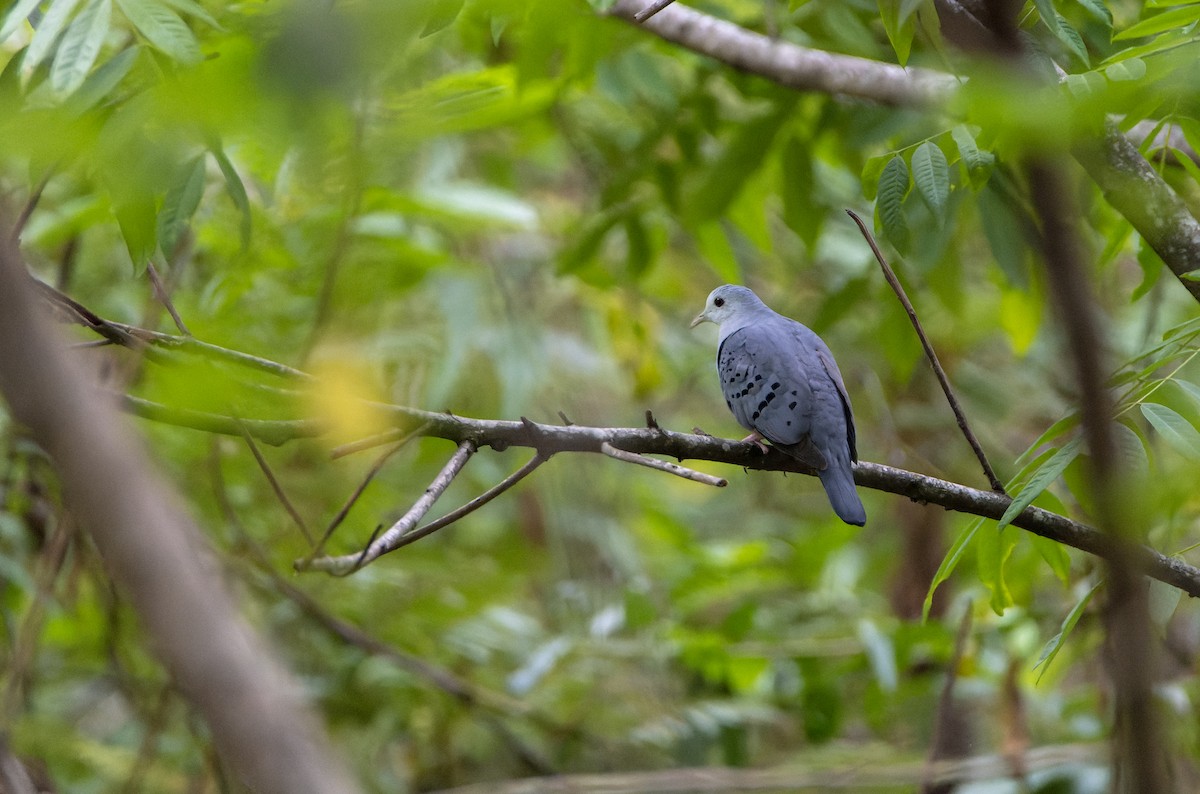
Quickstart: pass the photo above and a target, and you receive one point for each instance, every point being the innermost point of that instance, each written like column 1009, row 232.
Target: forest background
column 279, row 232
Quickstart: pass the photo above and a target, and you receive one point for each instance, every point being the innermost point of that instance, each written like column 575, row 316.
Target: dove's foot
column 756, row 438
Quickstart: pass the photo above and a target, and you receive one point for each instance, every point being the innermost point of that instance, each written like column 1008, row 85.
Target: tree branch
column 790, row 64
column 893, row 282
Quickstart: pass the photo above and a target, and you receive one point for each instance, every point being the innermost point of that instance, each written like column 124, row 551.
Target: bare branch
column 375, row 469
column 651, row 10
column 662, row 465
column 389, row 540
column 474, row 504
column 789, row 64
column 269, row 431
column 959, row 416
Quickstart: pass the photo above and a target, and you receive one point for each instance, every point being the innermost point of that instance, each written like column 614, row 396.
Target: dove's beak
column 702, row 317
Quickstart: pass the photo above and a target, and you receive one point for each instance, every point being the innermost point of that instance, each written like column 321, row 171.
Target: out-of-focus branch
column 1139, row 755
column 158, row 556
column 845, row 777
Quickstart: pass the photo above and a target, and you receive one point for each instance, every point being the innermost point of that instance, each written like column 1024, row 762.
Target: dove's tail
column 838, row 479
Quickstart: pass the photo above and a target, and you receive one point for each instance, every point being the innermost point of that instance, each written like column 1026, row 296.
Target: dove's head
column 729, row 303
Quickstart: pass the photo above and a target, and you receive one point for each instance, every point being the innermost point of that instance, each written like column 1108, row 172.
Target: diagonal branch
column 961, row 417
column 662, row 465
column 340, row 566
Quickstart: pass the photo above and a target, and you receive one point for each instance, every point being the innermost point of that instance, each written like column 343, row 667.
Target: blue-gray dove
column 781, row 383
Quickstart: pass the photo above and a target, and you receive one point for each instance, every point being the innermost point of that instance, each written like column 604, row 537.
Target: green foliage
column 502, row 208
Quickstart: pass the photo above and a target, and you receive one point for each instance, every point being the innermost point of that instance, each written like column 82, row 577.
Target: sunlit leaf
column 16, row 16
column 163, row 28
column 1183, row 17
column 99, row 84
column 46, row 34
column 80, row 46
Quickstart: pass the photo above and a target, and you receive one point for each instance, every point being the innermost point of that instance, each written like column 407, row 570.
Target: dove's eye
column 718, row 302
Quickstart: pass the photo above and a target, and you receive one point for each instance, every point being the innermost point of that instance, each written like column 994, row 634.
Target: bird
column 782, row 384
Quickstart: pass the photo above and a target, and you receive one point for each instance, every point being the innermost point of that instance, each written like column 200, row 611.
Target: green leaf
column 1131, row 452
column 950, row 562
column 1050, row 471
column 1177, row 431
column 976, row 161
column 797, row 185
column 724, row 179
column 180, row 204
column 138, row 220
column 1051, row 648
column 192, row 8
column 1186, row 16
column 442, row 14
column 714, row 246
column 236, row 190
column 899, row 25
column 889, row 201
column 100, row 83
column 931, row 174
column 992, row 551
column 80, row 46
column 1056, row 556
column 1126, row 71
column 163, row 28
column 16, row 16
column 1049, row 15
column 1163, row 600
column 1005, row 236
column 47, row 32
column 1069, row 36
column 1099, row 10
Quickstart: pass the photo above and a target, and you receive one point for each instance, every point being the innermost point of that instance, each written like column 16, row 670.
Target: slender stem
column 164, row 297
column 340, row 566
column 275, row 486
column 651, row 10
column 662, row 465
column 959, row 416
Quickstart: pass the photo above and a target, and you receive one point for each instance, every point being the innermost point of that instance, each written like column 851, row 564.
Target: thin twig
column 334, row 565
column 340, row 566
column 959, row 416
column 164, row 297
column 474, row 504
column 337, row 520
column 275, row 486
column 662, row 465
column 369, row 442
column 651, row 10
